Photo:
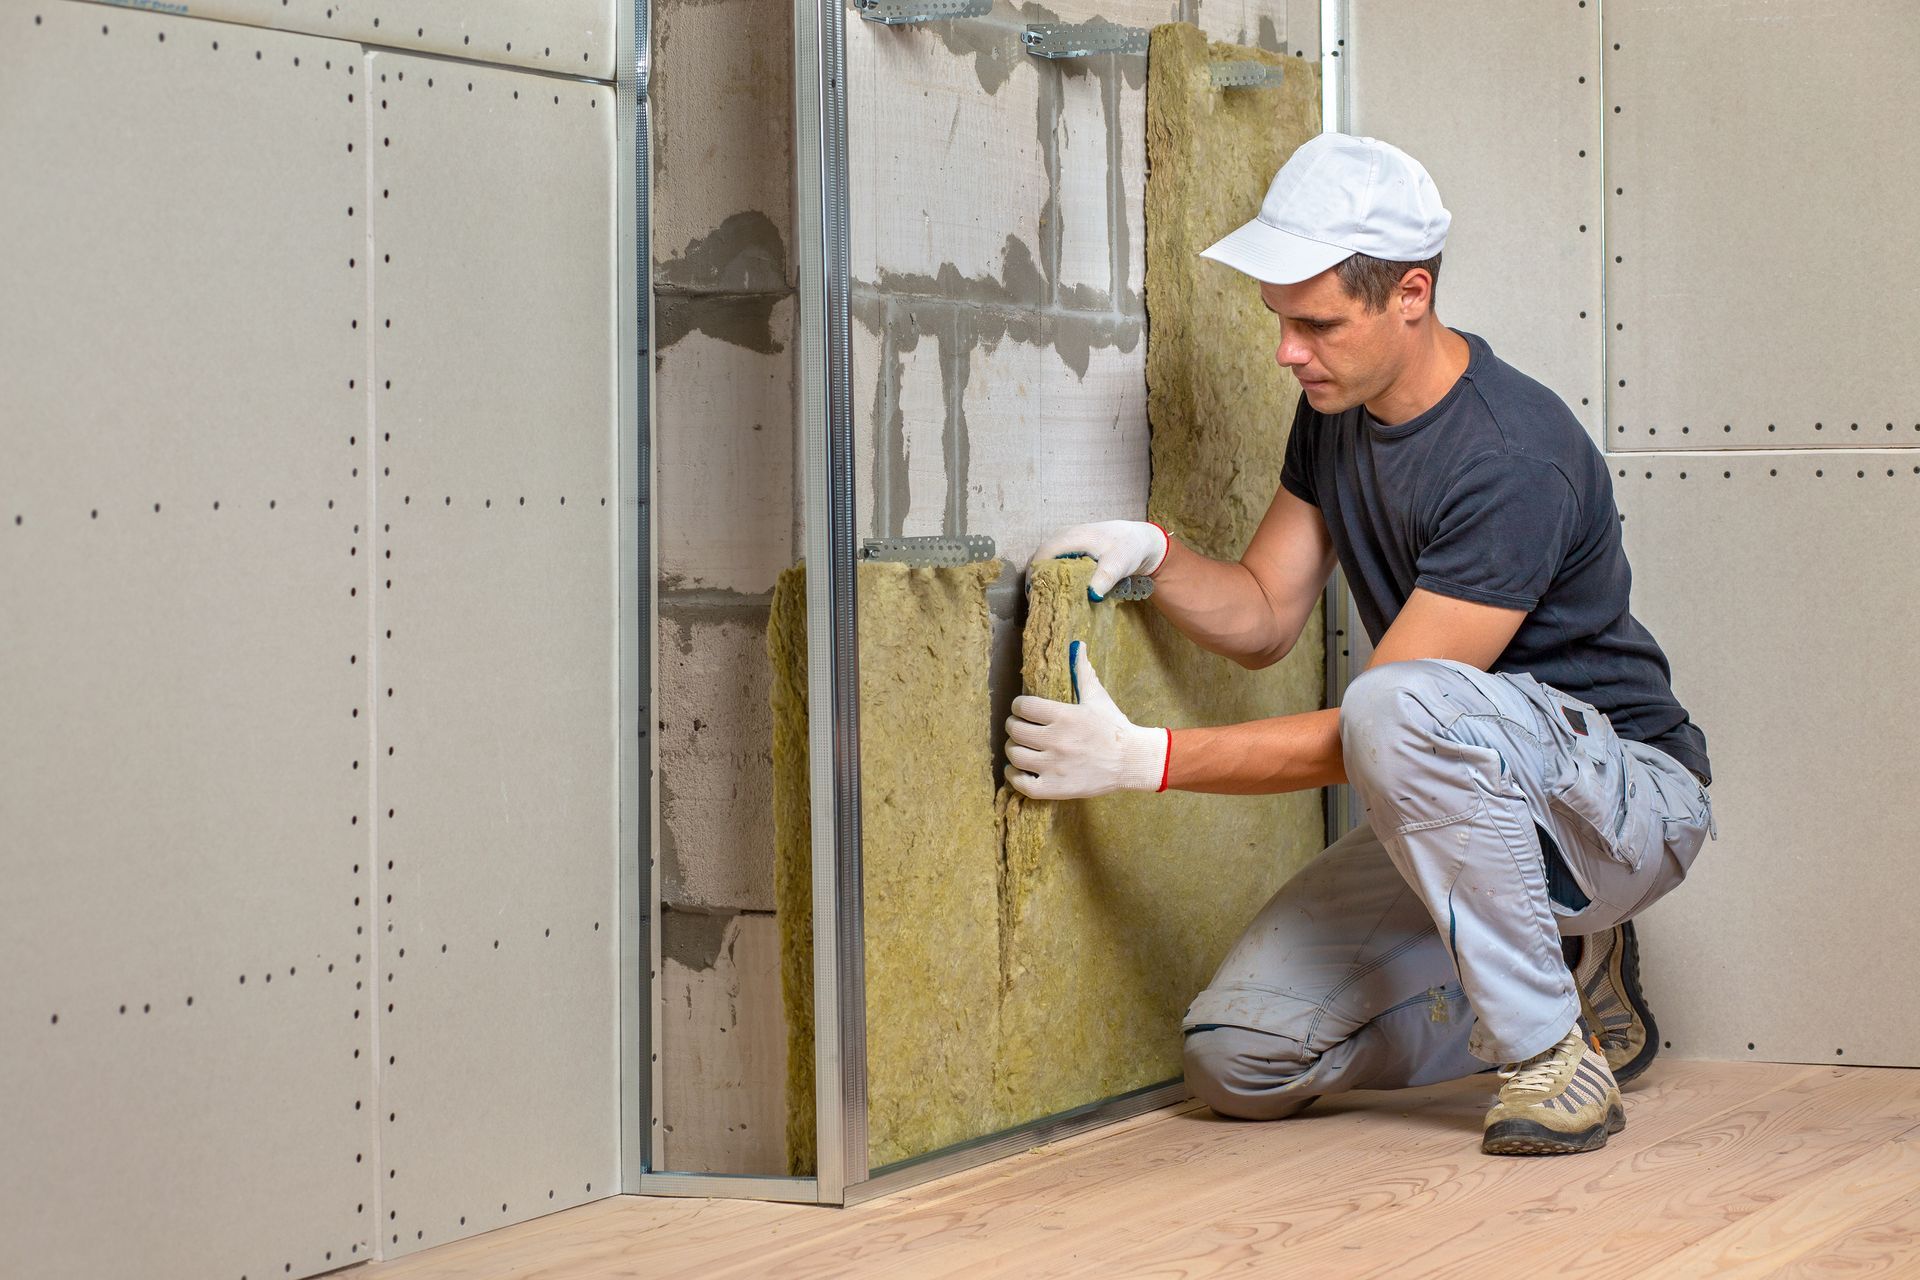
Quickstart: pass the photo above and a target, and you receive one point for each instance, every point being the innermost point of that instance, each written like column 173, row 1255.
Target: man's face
column 1342, row 353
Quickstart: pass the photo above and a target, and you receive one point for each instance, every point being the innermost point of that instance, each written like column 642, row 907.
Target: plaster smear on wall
column 1026, row 957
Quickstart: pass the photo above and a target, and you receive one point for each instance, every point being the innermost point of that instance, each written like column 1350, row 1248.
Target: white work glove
column 1071, row 750
column 1122, row 549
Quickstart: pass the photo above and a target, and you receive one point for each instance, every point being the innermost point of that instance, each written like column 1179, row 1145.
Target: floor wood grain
column 1724, row 1169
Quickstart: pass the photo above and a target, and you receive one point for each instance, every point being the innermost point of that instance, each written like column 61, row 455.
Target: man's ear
column 1415, row 294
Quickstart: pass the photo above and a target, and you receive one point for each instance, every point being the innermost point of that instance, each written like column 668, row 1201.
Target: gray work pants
column 1424, row 944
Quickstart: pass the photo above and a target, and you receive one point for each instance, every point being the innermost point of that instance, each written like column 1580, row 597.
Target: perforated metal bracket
column 1138, row 587
column 1245, row 75
column 935, row 549
column 899, row 13
column 1082, row 39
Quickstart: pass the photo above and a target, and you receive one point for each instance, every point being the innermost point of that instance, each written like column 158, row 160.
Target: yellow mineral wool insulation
column 1219, row 404
column 930, row 856
column 1115, row 911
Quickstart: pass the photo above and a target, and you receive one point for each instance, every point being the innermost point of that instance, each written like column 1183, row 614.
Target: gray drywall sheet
column 1501, row 103
column 1754, row 197
column 1781, row 587
column 568, row 37
column 494, row 406
column 186, row 1083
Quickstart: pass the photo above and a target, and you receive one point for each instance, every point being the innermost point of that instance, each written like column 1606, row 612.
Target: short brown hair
column 1373, row 280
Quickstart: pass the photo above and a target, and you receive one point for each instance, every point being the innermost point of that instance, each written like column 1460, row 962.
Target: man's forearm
column 1219, row 606
column 1286, row 753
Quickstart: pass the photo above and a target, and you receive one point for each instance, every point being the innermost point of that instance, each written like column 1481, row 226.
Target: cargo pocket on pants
column 1595, row 785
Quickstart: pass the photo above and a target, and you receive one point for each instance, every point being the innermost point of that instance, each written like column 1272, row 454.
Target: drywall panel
column 1504, row 112
column 496, row 810
column 1782, row 587
column 570, row 37
column 1752, row 195
column 492, row 196
column 188, row 1070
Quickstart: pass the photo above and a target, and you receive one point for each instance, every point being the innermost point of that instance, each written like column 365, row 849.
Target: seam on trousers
column 1523, row 865
column 1503, row 717
column 1323, row 1006
column 1431, row 823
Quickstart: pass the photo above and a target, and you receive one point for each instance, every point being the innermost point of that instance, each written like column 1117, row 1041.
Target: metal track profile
column 897, row 13
column 1082, row 39
column 1245, row 75
column 833, row 649
column 639, row 942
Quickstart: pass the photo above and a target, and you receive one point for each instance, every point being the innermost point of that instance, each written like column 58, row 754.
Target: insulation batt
column 1026, row 957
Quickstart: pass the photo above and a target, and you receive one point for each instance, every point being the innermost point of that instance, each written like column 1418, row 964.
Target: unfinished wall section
column 999, row 247
column 725, row 476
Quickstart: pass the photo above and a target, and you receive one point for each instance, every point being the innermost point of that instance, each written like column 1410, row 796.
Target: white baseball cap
column 1336, row 196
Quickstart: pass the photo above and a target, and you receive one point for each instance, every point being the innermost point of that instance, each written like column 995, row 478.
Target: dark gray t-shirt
column 1497, row 495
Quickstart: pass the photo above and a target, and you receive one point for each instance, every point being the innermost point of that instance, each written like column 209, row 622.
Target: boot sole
column 1530, row 1138
column 1637, row 1003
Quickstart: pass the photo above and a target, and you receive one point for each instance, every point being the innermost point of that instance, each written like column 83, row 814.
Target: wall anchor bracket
column 1245, row 75
column 897, row 13
column 1082, row 39
column 934, row 549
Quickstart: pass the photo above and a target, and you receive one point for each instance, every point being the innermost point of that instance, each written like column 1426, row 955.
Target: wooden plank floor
column 1724, row 1169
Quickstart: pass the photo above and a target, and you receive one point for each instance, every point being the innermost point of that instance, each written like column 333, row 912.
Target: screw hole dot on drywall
column 1749, row 1045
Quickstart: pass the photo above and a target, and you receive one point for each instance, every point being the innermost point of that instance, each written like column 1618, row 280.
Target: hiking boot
column 1608, row 976
column 1561, row 1100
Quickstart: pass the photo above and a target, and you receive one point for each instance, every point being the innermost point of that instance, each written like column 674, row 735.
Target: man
column 1525, row 768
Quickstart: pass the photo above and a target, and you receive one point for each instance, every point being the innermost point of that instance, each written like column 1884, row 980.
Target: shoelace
column 1537, row 1072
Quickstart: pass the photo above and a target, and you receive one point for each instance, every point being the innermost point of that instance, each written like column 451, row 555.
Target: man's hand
column 1071, row 750
column 1121, row 548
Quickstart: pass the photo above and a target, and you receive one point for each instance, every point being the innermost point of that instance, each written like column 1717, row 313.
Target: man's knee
column 1394, row 691
column 1392, row 704
column 1249, row 1075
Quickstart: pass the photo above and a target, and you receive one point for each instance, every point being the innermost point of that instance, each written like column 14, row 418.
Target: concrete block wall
column 998, row 237
column 725, row 451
